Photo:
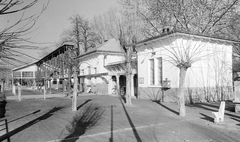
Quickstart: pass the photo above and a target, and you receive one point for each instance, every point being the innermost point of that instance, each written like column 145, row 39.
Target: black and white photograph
column 119, row 70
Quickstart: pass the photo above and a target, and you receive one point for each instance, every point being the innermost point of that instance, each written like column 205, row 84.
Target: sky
column 55, row 19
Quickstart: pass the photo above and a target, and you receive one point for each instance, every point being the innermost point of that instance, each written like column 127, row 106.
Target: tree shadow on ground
column 206, row 117
column 111, row 138
column 27, row 125
column 88, row 100
column 213, row 109
column 89, row 117
column 173, row 111
column 238, row 120
column 229, row 105
column 131, row 123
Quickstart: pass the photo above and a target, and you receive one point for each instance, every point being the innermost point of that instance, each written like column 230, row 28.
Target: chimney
column 168, row 30
column 163, row 30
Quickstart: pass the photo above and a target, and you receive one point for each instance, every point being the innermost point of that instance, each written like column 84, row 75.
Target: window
column 160, row 71
column 152, row 71
column 54, row 81
column 27, row 74
column 16, row 74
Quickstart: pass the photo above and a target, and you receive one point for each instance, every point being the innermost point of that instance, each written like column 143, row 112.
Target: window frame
column 157, row 74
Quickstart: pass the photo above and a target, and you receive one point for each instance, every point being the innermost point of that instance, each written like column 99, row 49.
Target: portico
column 117, row 83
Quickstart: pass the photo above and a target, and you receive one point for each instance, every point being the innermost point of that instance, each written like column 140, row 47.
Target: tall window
column 152, row 75
column 160, row 71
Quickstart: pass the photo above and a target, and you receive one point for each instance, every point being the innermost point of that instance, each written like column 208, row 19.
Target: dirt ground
column 102, row 118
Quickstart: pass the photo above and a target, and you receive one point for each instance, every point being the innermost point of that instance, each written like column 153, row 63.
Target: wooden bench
column 219, row 116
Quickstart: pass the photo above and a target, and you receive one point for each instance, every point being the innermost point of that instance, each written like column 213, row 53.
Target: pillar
column 58, row 83
column 14, row 89
column 50, row 86
column 44, row 92
column 110, row 86
column 132, row 85
column 19, row 93
column 118, row 87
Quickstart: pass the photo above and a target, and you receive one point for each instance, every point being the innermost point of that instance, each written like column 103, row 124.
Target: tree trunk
column 128, row 90
column 181, row 99
column 69, row 82
column 74, row 98
column 128, row 77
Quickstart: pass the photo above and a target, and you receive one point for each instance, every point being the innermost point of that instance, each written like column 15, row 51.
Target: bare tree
column 13, row 35
column 123, row 25
column 106, row 25
column 83, row 37
column 81, row 34
column 202, row 17
column 196, row 17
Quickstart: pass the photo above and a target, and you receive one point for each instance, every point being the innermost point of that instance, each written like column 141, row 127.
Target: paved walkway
column 104, row 118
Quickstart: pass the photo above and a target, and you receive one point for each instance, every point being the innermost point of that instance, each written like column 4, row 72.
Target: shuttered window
column 160, row 71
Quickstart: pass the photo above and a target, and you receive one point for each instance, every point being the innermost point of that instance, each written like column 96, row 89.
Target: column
column 19, row 93
column 44, row 92
column 117, row 81
column 13, row 86
column 110, row 86
column 58, row 80
column 13, row 89
column 50, row 86
column 132, row 85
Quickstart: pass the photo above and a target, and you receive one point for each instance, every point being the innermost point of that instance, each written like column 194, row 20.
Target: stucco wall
column 212, row 66
column 113, row 58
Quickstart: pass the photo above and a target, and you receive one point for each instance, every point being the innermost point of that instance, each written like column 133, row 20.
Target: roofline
column 97, row 51
column 184, row 33
column 24, row 66
column 54, row 51
column 120, row 62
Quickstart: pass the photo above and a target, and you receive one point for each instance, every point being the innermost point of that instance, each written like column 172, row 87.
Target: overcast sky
column 56, row 17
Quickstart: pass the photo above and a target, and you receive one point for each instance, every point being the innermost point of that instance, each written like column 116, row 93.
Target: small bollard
column 14, row 90
column 19, row 93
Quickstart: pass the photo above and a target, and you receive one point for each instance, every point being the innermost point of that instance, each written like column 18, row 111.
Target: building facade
column 25, row 75
column 102, row 69
column 208, row 77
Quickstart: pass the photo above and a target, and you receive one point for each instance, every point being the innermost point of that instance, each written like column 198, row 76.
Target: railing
column 6, row 127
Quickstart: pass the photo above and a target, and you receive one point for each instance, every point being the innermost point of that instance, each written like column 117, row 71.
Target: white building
column 209, row 76
column 102, row 69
